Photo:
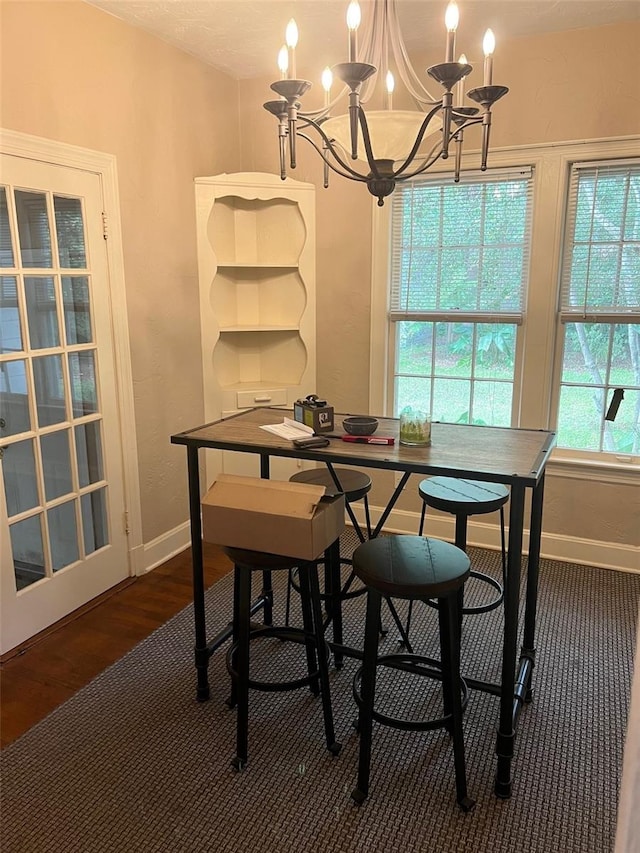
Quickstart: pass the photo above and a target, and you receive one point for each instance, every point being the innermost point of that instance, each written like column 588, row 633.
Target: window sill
column 603, row 467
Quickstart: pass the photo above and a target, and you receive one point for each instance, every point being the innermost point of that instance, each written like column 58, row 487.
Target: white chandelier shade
column 392, row 132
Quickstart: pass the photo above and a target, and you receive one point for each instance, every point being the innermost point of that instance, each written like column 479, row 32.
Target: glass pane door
column 52, row 420
column 52, row 462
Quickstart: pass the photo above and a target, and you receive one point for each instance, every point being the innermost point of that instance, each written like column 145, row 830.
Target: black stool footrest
column 326, row 596
column 296, row 635
column 480, row 608
column 420, row 665
column 491, row 605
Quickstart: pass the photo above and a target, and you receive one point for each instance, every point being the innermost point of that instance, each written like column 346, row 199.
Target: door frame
column 105, row 166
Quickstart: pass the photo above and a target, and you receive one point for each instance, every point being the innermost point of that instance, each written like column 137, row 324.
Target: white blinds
column 601, row 260
column 462, row 249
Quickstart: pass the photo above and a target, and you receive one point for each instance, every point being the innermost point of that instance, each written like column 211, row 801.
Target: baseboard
column 164, row 547
column 569, row 549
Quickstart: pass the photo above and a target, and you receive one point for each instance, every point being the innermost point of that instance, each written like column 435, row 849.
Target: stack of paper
column 289, row 429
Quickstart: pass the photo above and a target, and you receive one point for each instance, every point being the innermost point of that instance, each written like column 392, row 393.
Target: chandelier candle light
column 391, row 143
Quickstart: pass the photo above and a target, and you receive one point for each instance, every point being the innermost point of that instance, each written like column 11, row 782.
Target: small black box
column 314, row 413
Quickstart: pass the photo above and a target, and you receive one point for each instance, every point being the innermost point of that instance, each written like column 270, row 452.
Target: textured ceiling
column 242, row 37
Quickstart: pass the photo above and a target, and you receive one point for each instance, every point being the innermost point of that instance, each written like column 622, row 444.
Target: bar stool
column 412, row 567
column 463, row 498
column 355, row 485
column 311, row 635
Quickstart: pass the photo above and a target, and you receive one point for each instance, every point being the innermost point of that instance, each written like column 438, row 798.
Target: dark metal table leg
column 462, row 522
column 528, row 650
column 368, row 689
column 334, row 603
column 267, row 598
column 267, row 589
column 201, row 652
column 243, row 579
column 506, row 733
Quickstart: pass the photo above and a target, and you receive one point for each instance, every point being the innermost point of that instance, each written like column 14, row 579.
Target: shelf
column 258, row 297
column 247, row 390
column 256, row 232
column 240, row 265
column 271, row 357
column 225, row 330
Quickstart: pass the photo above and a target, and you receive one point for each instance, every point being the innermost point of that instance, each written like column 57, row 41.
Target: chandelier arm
column 351, row 174
column 426, row 164
column 315, row 115
column 366, row 141
column 357, row 176
column 416, row 145
column 426, row 161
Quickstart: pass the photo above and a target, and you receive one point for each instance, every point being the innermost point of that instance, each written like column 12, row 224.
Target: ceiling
column 242, row 37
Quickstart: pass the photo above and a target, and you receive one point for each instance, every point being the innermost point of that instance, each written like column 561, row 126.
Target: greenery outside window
column 599, row 385
column 459, row 274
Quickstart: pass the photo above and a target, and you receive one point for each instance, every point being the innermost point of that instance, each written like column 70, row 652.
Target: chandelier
column 382, row 147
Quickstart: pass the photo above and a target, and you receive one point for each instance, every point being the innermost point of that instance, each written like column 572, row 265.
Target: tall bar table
column 515, row 457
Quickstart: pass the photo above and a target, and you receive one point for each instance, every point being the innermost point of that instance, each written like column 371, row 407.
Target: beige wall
column 569, row 86
column 73, row 73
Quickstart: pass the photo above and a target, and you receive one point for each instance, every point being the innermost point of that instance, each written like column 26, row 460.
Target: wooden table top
column 496, row 454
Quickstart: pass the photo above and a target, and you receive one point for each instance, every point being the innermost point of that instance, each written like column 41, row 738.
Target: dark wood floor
column 49, row 669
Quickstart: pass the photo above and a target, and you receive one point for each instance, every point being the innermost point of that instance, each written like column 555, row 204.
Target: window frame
column 566, row 315
column 539, row 350
column 512, row 316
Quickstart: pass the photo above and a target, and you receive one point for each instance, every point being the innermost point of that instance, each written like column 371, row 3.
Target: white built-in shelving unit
column 256, row 265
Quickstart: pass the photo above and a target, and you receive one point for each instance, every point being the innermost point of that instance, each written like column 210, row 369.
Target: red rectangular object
column 370, row 439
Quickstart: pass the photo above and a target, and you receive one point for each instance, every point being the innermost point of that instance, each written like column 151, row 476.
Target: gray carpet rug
column 133, row 763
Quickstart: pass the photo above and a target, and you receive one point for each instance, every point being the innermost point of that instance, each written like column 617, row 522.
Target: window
column 513, row 298
column 459, row 269
column 599, row 395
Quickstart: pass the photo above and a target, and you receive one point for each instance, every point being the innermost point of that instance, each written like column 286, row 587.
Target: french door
column 62, row 505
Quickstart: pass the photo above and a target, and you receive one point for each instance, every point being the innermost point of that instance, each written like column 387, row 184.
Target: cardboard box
column 292, row 519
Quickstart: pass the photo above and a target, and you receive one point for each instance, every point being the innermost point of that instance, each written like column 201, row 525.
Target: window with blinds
column 458, row 285
column 601, row 265
column 599, row 307
column 462, row 248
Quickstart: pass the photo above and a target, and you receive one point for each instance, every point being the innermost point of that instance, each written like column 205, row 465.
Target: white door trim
column 105, row 165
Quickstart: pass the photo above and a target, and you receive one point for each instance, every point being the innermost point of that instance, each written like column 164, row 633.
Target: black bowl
column 360, row 425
